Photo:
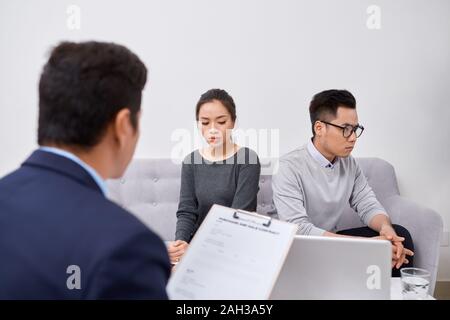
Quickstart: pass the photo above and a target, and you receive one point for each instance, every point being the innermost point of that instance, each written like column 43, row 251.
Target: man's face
column 133, row 139
column 128, row 137
column 332, row 138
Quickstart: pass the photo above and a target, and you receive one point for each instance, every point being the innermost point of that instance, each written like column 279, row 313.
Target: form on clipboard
column 235, row 254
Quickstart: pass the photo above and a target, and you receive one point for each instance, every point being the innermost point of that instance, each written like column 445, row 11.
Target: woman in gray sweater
column 221, row 173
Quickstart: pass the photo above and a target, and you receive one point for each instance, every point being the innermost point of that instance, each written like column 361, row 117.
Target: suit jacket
column 60, row 238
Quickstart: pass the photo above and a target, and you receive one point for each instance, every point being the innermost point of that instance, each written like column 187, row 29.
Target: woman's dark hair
column 219, row 95
column 82, row 88
column 324, row 105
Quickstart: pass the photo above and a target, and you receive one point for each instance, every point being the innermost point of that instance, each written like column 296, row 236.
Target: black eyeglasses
column 348, row 129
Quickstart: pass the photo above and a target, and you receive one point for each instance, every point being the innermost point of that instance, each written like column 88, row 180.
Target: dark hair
column 82, row 88
column 324, row 105
column 219, row 95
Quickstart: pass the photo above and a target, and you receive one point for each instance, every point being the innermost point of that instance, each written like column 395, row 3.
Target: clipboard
column 235, row 254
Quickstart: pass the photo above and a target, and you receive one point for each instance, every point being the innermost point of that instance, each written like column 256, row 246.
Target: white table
column 396, row 290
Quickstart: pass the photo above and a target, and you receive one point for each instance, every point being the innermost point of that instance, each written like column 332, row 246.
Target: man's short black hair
column 82, row 88
column 324, row 105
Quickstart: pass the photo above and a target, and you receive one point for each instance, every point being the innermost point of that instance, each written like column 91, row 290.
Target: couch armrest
column 425, row 227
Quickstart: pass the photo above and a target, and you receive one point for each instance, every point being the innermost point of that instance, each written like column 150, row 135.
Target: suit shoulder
column 118, row 214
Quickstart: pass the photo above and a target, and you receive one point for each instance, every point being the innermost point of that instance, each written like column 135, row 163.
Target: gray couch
column 150, row 190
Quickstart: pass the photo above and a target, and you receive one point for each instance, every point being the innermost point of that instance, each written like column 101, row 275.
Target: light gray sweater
column 314, row 195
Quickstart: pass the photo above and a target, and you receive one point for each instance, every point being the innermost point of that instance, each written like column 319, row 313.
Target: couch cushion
column 150, row 189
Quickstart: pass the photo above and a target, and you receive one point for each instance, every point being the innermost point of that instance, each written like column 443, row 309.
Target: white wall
column 272, row 56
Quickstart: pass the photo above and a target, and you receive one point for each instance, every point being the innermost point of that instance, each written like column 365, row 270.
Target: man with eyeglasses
column 316, row 182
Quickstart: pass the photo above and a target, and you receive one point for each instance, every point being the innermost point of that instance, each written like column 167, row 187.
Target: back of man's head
column 83, row 87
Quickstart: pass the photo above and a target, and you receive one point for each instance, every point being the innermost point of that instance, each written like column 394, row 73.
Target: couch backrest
column 150, row 189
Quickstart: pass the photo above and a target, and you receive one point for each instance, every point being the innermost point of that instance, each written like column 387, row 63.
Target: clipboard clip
column 254, row 214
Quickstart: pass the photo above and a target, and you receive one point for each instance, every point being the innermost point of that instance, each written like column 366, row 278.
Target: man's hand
column 395, row 261
column 176, row 250
column 399, row 252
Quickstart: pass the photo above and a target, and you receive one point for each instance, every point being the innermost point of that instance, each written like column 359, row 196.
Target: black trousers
column 401, row 232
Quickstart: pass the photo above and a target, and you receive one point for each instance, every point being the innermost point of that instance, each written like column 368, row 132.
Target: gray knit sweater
column 233, row 182
column 315, row 197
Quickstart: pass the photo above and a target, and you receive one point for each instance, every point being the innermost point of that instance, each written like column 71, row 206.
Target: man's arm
column 336, row 235
column 138, row 269
column 382, row 224
column 372, row 213
column 288, row 197
column 380, row 221
column 364, row 201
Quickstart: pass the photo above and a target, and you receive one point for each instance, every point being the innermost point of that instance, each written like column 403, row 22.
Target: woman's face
column 215, row 123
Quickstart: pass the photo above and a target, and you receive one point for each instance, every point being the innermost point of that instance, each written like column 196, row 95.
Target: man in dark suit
column 60, row 237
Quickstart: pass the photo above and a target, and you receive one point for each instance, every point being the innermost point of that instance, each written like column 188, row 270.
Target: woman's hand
column 176, row 250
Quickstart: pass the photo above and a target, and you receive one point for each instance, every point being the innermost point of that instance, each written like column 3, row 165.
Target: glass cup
column 415, row 283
